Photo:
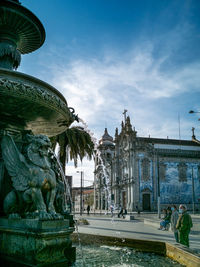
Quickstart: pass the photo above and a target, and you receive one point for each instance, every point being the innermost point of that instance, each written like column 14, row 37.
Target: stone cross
column 193, row 135
column 125, row 111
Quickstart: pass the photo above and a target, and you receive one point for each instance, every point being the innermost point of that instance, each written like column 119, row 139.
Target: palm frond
column 76, row 143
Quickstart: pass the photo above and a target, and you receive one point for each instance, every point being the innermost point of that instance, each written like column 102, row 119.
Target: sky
column 105, row 56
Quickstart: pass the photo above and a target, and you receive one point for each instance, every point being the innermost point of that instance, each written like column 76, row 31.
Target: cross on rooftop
column 125, row 111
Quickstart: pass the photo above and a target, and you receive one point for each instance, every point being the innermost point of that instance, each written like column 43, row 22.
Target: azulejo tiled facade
column 133, row 171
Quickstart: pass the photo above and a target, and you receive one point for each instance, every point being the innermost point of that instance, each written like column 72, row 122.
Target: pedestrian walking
column 137, row 209
column 124, row 213
column 120, row 212
column 88, row 209
column 184, row 224
column 174, row 219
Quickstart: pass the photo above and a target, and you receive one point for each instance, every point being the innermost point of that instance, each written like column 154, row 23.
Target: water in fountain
column 67, row 188
column 114, row 256
column 67, row 194
column 105, row 174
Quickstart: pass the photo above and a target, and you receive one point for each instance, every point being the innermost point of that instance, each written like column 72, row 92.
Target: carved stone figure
column 36, row 184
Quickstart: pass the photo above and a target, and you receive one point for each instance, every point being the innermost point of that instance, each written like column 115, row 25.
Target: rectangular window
column 162, row 171
column 198, row 173
column 182, row 171
column 145, row 170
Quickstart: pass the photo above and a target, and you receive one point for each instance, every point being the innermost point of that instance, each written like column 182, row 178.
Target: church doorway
column 146, row 201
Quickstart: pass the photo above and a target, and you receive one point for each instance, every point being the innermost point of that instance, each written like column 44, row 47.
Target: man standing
column 184, row 225
column 174, row 219
column 88, row 209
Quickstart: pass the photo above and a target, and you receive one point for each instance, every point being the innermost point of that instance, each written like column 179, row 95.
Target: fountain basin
column 116, row 256
column 176, row 252
column 28, row 103
column 31, row 242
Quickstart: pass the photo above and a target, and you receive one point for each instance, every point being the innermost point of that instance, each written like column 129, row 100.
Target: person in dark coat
column 124, row 213
column 120, row 212
column 88, row 209
column 137, row 209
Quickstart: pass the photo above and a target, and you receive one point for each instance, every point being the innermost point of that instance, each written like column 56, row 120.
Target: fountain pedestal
column 31, row 242
column 31, row 181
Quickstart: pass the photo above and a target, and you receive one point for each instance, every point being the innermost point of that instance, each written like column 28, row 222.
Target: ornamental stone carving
column 35, row 93
column 37, row 183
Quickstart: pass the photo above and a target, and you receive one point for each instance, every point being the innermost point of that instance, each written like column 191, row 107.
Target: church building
column 132, row 171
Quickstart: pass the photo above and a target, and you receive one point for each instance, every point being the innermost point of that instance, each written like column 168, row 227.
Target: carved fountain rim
column 9, row 74
column 50, row 114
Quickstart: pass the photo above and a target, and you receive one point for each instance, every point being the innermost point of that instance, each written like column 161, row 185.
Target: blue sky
column 107, row 55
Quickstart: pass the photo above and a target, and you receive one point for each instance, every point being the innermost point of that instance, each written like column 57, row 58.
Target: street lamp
column 192, row 111
column 158, row 181
column 81, row 193
column 157, row 172
column 193, row 192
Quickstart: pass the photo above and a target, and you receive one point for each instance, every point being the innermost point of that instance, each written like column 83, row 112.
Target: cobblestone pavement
column 136, row 229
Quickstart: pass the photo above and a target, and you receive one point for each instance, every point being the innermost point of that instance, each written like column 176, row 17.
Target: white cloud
column 102, row 88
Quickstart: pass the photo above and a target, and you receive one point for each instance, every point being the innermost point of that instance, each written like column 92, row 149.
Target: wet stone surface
column 107, row 256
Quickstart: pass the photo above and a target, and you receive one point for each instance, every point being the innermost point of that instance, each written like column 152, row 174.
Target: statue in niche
column 37, row 184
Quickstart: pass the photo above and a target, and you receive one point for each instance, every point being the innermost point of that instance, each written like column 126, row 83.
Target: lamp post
column 81, row 193
column 158, row 177
column 157, row 171
column 193, row 194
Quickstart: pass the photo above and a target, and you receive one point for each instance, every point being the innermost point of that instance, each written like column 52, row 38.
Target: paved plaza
column 137, row 229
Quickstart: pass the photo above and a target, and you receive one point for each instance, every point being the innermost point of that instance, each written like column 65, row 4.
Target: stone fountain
column 35, row 225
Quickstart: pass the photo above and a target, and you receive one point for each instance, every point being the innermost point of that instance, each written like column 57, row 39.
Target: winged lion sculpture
column 35, row 183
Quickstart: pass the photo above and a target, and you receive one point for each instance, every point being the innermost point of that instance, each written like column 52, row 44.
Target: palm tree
column 75, row 143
